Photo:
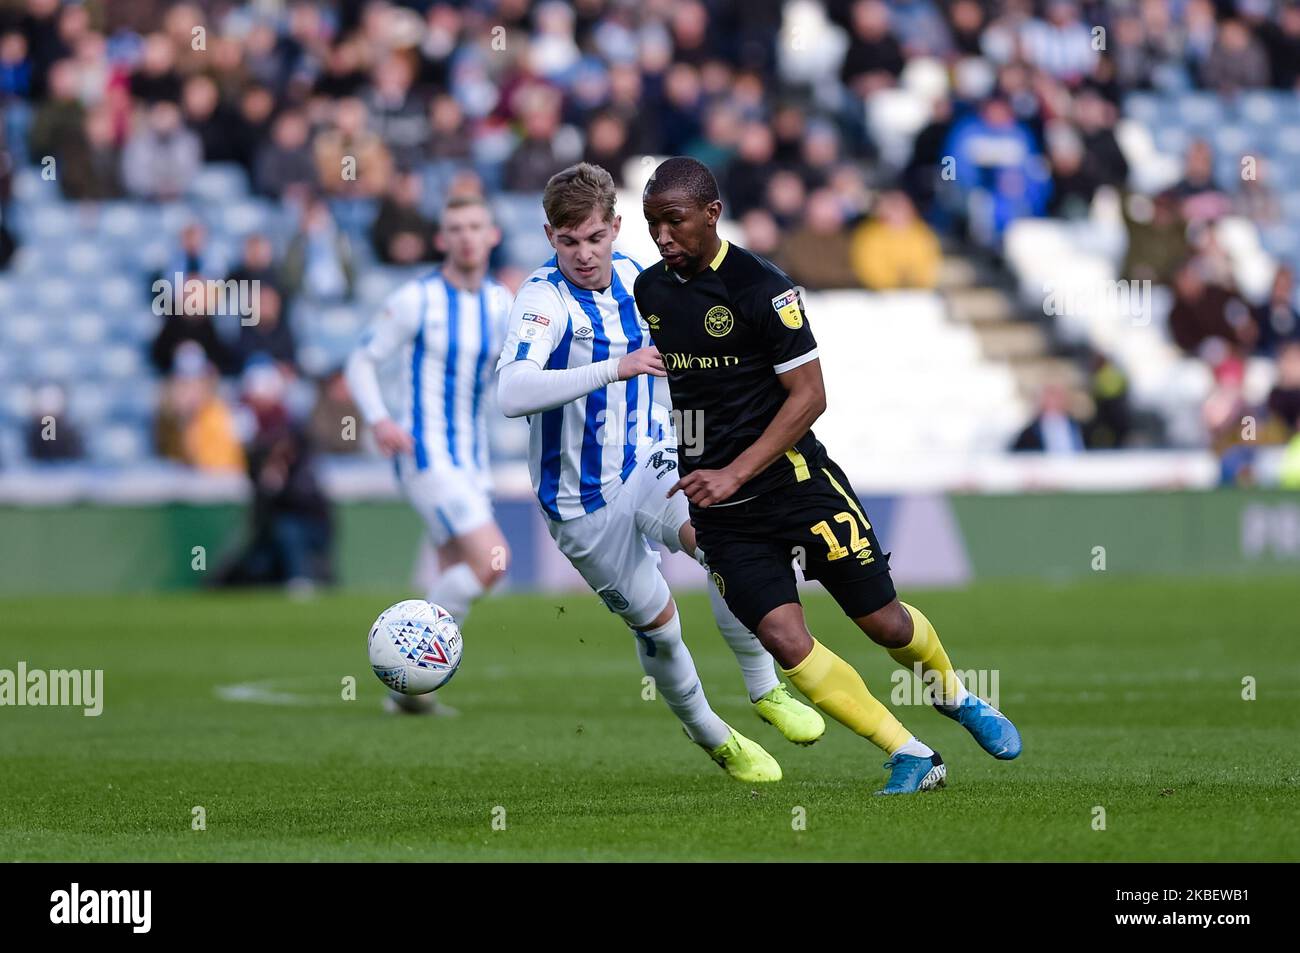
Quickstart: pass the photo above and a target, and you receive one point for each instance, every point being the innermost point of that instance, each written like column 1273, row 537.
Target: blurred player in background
column 764, row 487
column 578, row 361
column 445, row 328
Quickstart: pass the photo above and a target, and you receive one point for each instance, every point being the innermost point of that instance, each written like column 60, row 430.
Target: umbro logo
column 582, row 332
column 865, row 557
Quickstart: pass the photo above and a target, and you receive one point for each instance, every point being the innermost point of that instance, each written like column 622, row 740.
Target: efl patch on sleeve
column 787, row 308
column 536, row 318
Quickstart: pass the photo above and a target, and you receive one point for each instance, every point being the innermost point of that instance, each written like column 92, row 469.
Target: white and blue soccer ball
column 415, row 647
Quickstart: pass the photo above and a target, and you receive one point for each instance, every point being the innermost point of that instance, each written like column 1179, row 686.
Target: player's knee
column 665, row 616
column 660, row 638
column 889, row 626
column 784, row 633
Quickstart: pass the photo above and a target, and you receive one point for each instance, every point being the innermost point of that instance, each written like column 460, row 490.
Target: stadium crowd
column 342, row 113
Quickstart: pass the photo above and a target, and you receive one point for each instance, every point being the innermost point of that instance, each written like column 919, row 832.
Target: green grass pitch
column 1128, row 694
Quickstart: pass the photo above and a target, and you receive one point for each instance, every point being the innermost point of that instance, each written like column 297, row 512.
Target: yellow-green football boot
column 800, row 723
column 745, row 760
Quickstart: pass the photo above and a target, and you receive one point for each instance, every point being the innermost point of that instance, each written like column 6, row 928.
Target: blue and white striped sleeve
column 537, row 320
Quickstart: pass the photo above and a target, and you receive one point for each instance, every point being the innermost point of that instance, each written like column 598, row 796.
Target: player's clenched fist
column 392, row 439
column 644, row 360
column 706, row 487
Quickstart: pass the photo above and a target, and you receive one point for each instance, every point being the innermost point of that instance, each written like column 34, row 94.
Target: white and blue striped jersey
column 580, row 454
column 444, row 339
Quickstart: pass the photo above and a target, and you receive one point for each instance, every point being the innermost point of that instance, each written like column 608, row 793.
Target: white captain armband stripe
column 794, row 362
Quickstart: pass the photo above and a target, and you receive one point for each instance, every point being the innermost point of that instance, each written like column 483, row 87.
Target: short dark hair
column 683, row 174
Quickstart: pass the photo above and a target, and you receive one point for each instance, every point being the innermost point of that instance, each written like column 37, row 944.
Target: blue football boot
column 909, row 774
column 990, row 728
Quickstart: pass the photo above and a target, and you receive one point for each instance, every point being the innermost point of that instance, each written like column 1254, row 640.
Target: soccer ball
column 415, row 647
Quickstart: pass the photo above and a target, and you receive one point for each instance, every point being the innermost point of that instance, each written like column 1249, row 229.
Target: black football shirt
column 725, row 334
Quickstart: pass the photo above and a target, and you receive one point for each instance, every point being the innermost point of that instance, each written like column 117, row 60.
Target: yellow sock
column 834, row 686
column 926, row 649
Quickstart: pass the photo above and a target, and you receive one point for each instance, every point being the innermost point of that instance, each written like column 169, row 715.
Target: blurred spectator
column 1283, row 42
column 58, row 129
column 1237, row 61
column 286, row 162
column 51, row 437
column 745, row 181
column 1112, row 418
column 1053, row 430
column 921, row 176
column 1207, row 320
column 162, row 157
column 93, row 170
column 1157, row 238
column 1131, row 51
column 1222, row 414
column 350, row 159
column 343, row 74
column 402, row 234
column 194, row 425
column 1104, row 160
column 1200, row 197
column 257, row 262
column 449, row 136
column 1060, row 45
column 1277, row 318
column 336, row 424
column 682, row 111
column 1284, row 398
column 251, row 128
column 15, row 68
column 319, row 260
column 396, row 113
column 180, row 329
column 816, row 255
column 1000, row 170
column 786, row 198
column 761, row 234
column 194, row 256
column 541, row 152
column 895, row 249
column 607, row 145
column 290, row 524
column 209, row 119
column 156, row 80
column 874, row 59
column 269, row 336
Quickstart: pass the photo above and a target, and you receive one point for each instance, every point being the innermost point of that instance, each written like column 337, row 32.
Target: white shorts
column 452, row 500
column 611, row 547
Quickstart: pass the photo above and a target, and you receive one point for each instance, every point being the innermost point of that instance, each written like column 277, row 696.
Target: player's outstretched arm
column 805, row 401
column 525, row 388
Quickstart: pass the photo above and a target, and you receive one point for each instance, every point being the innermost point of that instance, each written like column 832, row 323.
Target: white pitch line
column 263, row 693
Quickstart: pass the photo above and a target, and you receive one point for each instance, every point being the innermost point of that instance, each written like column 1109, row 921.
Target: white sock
column 756, row 665
column 455, row 590
column 912, row 746
column 666, row 659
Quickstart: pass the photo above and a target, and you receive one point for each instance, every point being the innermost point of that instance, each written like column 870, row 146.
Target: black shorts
column 818, row 523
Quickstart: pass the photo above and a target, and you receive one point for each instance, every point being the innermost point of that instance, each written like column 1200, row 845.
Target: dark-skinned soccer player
column 741, row 358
